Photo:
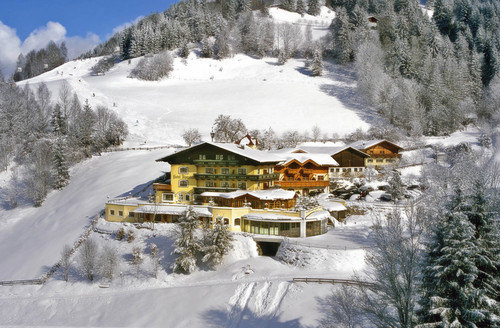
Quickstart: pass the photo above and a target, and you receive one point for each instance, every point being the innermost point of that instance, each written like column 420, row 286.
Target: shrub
column 154, row 68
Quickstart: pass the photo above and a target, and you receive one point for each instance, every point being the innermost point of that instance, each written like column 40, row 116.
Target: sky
column 30, row 24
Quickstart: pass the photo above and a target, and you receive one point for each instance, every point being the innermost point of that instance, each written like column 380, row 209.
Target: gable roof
column 269, row 194
column 302, row 158
column 364, row 144
column 253, row 154
column 332, row 150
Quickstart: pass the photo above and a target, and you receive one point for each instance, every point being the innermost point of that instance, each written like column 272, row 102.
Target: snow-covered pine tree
column 300, row 8
column 86, row 128
column 317, row 62
column 186, row 243
column 58, row 121
column 217, row 243
column 396, row 189
column 60, row 165
column 288, row 5
column 450, row 298
column 207, row 50
column 314, row 8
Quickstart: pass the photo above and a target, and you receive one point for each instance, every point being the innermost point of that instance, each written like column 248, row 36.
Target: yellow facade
column 120, row 212
column 186, row 177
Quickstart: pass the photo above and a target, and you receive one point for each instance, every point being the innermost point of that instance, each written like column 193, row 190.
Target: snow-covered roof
column 318, row 215
column 270, row 216
column 131, row 201
column 302, row 158
column 172, row 209
column 245, row 151
column 269, row 194
column 332, row 206
column 363, row 144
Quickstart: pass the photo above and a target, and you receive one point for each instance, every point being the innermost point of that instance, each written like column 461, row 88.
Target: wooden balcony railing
column 162, row 187
column 302, row 184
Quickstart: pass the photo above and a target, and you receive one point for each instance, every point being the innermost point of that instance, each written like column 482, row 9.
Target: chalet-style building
column 304, row 172
column 381, row 152
column 350, row 161
column 216, row 167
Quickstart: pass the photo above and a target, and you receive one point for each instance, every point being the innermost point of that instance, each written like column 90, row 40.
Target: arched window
column 226, row 221
column 237, row 222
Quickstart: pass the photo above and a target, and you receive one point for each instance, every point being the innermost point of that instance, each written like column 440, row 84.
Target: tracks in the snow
column 255, row 300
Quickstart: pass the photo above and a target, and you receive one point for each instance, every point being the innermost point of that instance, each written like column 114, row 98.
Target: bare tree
column 316, row 133
column 88, row 259
column 394, row 269
column 137, row 259
column 191, row 136
column 66, row 261
column 156, row 256
column 342, row 309
column 108, row 262
column 227, row 129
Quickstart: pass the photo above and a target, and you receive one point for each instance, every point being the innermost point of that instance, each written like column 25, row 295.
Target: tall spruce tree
column 186, row 244
column 217, row 243
column 60, row 165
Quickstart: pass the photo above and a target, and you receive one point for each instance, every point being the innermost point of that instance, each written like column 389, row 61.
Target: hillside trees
column 227, row 129
column 36, row 62
column 44, row 139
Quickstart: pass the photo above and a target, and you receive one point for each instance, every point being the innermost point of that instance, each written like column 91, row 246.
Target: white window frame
column 242, row 171
column 112, row 212
column 182, row 169
column 181, row 182
column 209, row 170
column 224, row 169
column 167, row 194
column 243, row 183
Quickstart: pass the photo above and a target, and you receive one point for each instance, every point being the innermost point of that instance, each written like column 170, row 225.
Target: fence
column 323, row 246
column 334, row 281
column 21, row 282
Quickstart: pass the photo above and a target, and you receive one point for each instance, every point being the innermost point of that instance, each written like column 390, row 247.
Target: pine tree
column 301, row 7
column 317, row 63
column 288, row 5
column 450, row 298
column 314, row 8
column 58, row 121
column 206, row 48
column 217, row 243
column 186, row 244
column 86, row 128
column 60, row 165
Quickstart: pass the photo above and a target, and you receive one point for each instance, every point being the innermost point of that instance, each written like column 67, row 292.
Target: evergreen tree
column 206, row 48
column 314, row 8
column 288, row 5
column 450, row 298
column 86, row 128
column 300, row 7
column 217, row 243
column 61, row 169
column 317, row 63
column 186, row 243
column 343, row 43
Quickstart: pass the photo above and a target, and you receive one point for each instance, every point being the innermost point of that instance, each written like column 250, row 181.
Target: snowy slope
column 31, row 239
column 260, row 92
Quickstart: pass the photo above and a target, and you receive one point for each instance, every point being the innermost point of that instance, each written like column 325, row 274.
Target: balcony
column 162, row 187
column 199, row 190
column 302, row 184
column 215, row 162
column 250, row 177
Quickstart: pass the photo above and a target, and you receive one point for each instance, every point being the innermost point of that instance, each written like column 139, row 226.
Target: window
column 120, row 213
column 382, row 152
column 242, row 185
column 202, row 156
column 130, row 214
column 321, row 177
column 380, row 160
column 224, row 170
column 369, row 160
column 183, row 170
column 167, row 197
column 231, row 157
column 187, row 197
column 242, row 171
column 237, row 222
column 226, row 221
column 183, row 183
column 337, row 170
column 112, row 212
column 209, row 170
column 219, row 157
column 209, row 183
column 225, row 184
column 180, row 197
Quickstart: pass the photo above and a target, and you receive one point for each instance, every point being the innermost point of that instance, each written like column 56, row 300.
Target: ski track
column 238, row 303
column 265, row 301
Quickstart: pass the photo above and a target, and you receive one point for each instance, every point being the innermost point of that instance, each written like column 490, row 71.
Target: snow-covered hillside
column 259, row 91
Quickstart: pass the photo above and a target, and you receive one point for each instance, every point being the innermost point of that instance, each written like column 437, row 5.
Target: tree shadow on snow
column 344, row 88
column 304, row 71
column 246, row 319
